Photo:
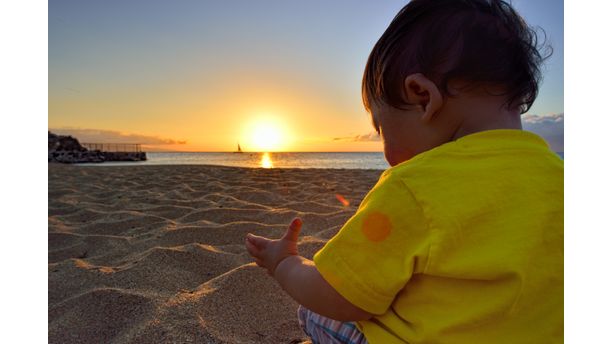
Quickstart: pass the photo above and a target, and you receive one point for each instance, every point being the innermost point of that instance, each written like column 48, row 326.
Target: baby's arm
column 299, row 277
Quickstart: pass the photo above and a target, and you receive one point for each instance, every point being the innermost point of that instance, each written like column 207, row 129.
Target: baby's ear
column 421, row 91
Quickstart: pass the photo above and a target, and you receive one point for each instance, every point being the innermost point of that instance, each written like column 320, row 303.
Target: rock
column 64, row 143
column 67, row 149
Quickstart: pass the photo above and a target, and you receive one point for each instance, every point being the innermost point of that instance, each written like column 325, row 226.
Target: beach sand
column 155, row 254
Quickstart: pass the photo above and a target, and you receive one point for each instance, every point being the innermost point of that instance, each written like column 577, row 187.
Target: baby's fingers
column 258, row 241
column 253, row 250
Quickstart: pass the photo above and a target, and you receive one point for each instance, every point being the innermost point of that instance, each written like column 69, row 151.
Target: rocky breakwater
column 67, row 149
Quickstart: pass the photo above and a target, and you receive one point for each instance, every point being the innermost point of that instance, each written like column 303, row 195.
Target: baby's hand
column 268, row 253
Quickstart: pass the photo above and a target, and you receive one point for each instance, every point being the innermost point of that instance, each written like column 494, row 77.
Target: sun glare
column 266, row 136
column 266, row 162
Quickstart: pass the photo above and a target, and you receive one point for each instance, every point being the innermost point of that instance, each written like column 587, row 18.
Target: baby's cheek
column 376, row 226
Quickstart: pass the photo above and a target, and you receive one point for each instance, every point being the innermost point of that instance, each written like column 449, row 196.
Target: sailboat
column 239, row 149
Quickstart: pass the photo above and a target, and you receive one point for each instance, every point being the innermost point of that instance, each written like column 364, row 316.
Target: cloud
column 554, row 118
column 112, row 136
column 549, row 127
column 359, row 138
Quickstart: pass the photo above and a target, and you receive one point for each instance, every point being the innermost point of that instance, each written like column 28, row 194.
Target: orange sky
column 258, row 115
column 204, row 76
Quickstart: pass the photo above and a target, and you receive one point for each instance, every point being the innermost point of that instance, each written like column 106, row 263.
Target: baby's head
column 447, row 68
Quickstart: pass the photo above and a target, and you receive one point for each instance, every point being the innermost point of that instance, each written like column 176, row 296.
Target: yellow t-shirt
column 460, row 244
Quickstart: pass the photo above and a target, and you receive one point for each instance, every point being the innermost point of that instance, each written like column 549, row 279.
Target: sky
column 271, row 74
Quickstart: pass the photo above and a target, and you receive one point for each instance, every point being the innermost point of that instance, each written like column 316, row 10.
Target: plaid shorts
column 322, row 330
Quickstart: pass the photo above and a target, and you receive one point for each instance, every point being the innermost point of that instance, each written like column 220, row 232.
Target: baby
column 461, row 240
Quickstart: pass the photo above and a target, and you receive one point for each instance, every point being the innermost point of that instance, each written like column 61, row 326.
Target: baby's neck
column 487, row 118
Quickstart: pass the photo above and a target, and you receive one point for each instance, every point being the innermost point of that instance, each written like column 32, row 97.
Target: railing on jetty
column 113, row 147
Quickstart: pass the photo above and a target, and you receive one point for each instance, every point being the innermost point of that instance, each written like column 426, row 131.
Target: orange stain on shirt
column 376, row 226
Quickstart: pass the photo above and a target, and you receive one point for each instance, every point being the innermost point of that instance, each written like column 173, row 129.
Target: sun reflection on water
column 266, row 162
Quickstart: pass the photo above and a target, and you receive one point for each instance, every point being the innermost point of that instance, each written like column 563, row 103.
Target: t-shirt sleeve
column 378, row 249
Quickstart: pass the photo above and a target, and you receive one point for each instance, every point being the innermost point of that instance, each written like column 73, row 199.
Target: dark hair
column 484, row 42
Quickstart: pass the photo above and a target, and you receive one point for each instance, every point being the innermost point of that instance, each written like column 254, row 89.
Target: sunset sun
column 266, row 136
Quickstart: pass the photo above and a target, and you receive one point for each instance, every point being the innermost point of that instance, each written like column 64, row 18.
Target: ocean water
column 352, row 160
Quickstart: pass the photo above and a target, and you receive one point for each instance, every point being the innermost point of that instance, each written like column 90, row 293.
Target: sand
column 155, row 254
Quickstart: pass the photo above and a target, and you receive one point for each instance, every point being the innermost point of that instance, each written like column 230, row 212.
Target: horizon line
column 249, row 152
column 246, row 152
